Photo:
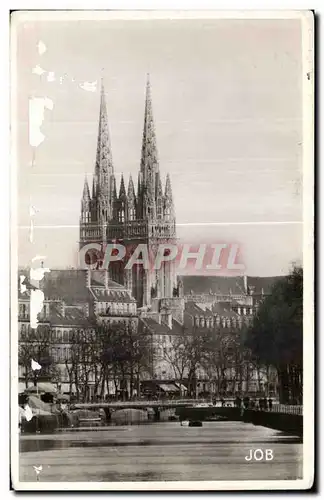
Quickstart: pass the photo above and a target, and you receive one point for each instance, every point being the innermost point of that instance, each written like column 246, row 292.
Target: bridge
column 286, row 418
column 140, row 405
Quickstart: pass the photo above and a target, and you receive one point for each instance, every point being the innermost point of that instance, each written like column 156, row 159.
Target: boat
column 195, row 423
column 191, row 423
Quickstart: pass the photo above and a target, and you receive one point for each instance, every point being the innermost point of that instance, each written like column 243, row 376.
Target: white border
column 308, row 181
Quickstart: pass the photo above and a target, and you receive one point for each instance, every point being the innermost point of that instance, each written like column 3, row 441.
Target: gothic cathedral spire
column 131, row 200
column 86, row 190
column 98, row 207
column 104, row 164
column 85, row 202
column 168, row 201
column 149, row 161
column 104, row 171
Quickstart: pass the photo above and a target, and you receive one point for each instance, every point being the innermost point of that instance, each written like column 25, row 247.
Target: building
column 165, row 310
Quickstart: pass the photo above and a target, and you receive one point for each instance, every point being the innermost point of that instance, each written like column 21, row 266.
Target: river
column 161, row 452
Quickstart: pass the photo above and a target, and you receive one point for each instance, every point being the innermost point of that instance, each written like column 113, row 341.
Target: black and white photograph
column 162, row 250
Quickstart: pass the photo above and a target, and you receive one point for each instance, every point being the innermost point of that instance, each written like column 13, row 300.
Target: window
column 121, row 215
column 59, row 336
column 23, row 330
column 132, row 214
column 159, row 211
column 65, row 336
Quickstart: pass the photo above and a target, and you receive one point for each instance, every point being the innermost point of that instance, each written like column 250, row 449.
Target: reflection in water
column 161, row 452
column 49, row 444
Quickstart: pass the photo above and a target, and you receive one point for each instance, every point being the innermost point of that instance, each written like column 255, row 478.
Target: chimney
column 245, row 283
column 47, row 309
column 86, row 310
column 167, row 319
column 178, row 312
column 88, row 278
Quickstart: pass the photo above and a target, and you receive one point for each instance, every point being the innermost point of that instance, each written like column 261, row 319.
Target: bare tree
column 217, row 360
column 175, row 355
column 35, row 344
column 123, row 353
column 185, row 354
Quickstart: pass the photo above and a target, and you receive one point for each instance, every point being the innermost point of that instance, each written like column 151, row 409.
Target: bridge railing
column 142, row 404
column 291, row 409
column 276, row 407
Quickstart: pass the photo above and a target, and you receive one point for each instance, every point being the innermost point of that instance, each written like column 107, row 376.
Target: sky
column 227, row 103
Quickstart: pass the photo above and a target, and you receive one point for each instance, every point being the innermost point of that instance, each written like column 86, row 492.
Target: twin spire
column 150, row 200
column 104, row 164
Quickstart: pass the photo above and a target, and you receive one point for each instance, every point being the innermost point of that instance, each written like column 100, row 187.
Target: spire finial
column 168, row 199
column 148, row 89
column 122, row 190
column 168, row 190
column 102, row 88
column 131, row 189
column 86, row 190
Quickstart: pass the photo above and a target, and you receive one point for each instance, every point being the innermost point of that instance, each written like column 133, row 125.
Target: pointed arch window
column 167, row 213
column 132, row 214
column 121, row 215
column 159, row 211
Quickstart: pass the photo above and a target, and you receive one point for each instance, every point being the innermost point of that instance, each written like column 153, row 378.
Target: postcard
column 162, row 310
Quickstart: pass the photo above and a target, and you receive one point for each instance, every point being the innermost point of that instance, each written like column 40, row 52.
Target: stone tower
column 96, row 209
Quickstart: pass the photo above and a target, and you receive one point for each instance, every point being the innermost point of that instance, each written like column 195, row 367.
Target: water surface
column 161, row 452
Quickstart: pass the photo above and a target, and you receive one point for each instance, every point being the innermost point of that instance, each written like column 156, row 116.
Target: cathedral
column 132, row 217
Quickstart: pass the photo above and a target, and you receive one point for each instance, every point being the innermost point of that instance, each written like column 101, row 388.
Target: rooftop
column 226, row 285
